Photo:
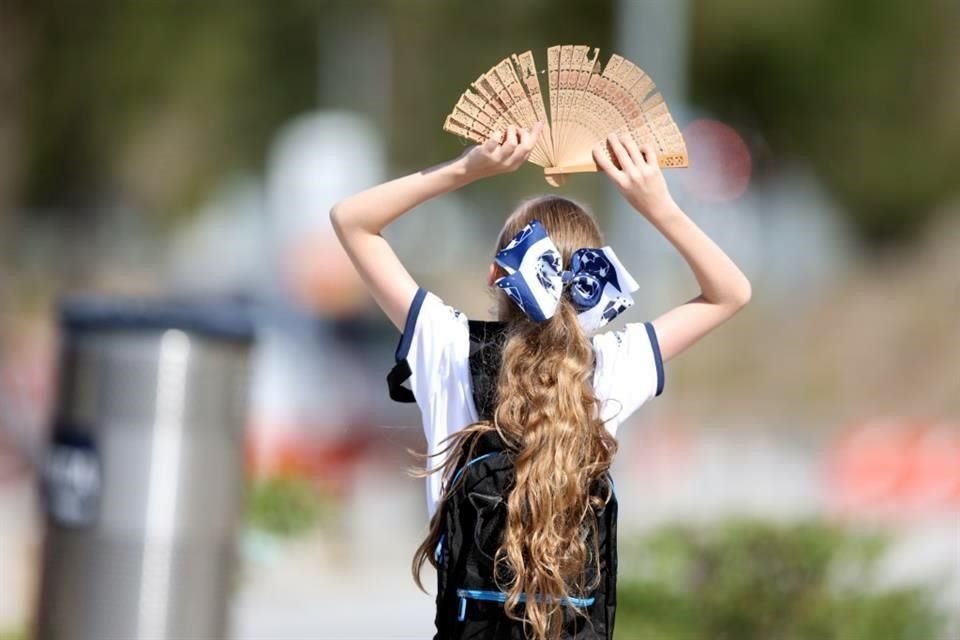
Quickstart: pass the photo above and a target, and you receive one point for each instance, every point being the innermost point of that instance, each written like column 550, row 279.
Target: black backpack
column 469, row 603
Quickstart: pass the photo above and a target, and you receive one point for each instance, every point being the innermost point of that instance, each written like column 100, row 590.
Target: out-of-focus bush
column 864, row 90
column 754, row 580
column 288, row 506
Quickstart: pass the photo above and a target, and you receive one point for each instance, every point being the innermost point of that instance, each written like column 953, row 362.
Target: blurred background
column 800, row 476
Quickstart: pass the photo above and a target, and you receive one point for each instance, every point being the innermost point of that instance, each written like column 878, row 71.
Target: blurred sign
column 896, row 467
column 72, row 479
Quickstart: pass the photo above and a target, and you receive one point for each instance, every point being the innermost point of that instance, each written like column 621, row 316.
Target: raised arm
column 359, row 219
column 724, row 289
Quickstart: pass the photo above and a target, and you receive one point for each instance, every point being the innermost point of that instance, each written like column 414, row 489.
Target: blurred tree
column 865, row 90
column 150, row 104
column 11, row 107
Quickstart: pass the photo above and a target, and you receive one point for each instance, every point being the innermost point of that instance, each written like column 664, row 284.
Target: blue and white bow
column 600, row 287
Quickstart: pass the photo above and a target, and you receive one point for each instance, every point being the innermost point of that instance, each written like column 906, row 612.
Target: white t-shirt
column 436, row 344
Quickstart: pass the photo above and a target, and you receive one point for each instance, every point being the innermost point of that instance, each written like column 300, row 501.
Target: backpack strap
column 486, row 345
column 489, row 442
column 486, row 355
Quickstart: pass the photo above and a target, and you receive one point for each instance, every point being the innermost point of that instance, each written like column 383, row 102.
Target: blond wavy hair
column 547, row 413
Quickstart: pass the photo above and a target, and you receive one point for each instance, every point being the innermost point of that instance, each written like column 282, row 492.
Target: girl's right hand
column 635, row 172
column 500, row 154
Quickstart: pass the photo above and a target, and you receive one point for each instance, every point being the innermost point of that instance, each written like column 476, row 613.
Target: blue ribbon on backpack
column 598, row 284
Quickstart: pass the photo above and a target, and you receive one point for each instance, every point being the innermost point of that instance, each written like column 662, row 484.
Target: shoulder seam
column 406, row 338
column 657, row 357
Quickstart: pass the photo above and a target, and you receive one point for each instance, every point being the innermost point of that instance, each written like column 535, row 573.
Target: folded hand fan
column 586, row 104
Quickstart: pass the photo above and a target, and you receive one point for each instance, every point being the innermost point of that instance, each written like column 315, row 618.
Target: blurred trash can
column 143, row 478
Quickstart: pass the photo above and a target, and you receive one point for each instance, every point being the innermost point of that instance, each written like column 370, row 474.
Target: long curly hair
column 547, row 413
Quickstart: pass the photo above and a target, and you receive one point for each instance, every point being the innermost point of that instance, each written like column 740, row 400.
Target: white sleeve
column 628, row 372
column 436, row 346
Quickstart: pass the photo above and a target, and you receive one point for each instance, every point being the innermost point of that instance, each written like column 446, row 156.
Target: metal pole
column 654, row 35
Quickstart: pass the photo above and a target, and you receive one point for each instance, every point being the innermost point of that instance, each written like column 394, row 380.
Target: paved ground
column 287, row 594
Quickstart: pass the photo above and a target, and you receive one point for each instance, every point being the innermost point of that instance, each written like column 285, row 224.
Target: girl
column 537, row 393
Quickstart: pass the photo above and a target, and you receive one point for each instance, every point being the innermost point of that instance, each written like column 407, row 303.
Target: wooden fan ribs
column 587, row 101
column 528, row 70
column 588, row 127
column 521, row 106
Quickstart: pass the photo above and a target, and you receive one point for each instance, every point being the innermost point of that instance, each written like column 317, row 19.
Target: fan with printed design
column 586, row 105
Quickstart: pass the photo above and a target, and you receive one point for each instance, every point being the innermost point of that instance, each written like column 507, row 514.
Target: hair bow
column 598, row 283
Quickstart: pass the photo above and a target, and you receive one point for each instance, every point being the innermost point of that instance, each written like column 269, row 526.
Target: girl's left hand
column 494, row 157
column 638, row 176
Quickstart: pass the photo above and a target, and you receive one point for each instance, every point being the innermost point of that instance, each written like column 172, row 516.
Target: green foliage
column 287, row 506
column 756, row 580
column 863, row 89
column 8, row 634
column 152, row 104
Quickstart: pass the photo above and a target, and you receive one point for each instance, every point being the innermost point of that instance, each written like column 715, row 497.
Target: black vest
column 469, row 603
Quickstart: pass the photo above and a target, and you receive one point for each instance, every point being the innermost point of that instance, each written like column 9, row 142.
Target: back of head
column 568, row 223
column 546, row 408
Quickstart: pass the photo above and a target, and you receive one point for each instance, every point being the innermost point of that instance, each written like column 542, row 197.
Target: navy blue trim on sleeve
column 404, row 347
column 657, row 358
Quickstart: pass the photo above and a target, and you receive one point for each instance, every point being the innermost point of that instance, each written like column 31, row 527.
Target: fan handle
column 665, row 160
column 556, row 176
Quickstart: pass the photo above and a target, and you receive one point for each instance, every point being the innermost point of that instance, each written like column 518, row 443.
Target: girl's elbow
column 336, row 216
column 346, row 219
column 743, row 294
column 340, row 221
